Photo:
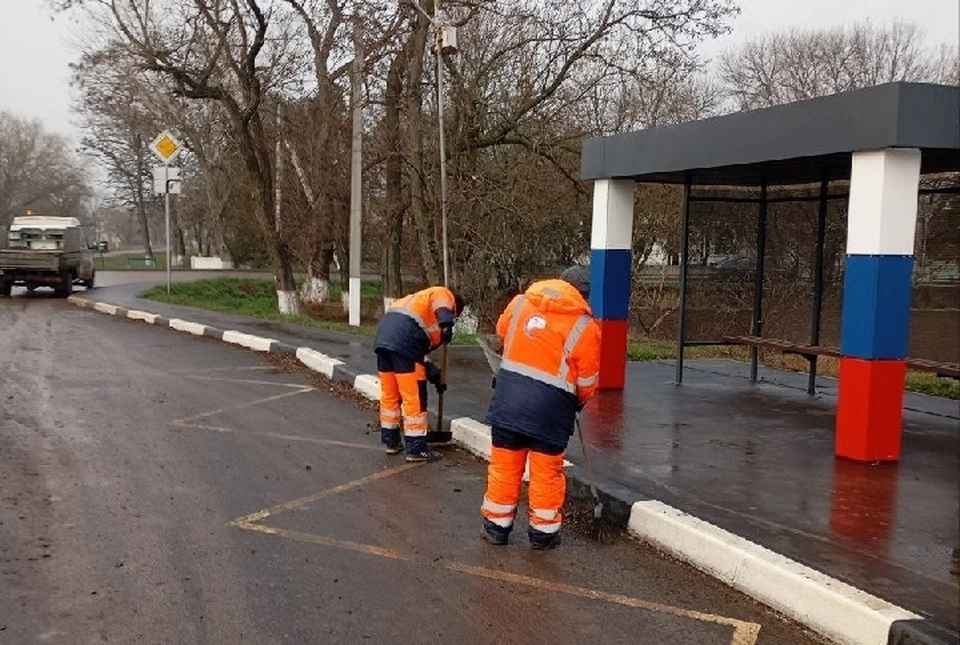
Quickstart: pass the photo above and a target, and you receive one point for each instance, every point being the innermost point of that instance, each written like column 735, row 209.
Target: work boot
column 390, row 437
column 540, row 541
column 494, row 534
column 424, row 455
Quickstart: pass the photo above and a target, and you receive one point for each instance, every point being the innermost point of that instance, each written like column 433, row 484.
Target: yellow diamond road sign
column 165, row 147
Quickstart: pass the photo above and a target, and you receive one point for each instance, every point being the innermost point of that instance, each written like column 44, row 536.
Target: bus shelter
column 864, row 150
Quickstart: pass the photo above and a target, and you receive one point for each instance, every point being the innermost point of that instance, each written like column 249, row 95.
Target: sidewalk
column 756, row 460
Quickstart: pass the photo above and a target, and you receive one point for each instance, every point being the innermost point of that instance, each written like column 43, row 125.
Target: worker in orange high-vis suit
column 411, row 328
column 550, row 369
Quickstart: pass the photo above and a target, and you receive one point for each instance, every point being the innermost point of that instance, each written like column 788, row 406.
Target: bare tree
column 801, row 64
column 37, row 170
column 234, row 52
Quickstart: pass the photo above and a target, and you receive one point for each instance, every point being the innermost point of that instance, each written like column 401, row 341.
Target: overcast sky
column 34, row 55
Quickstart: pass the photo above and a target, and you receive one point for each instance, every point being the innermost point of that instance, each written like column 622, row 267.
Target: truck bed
column 14, row 260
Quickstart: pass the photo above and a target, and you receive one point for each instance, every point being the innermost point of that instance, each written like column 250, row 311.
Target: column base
column 870, row 410
column 613, row 354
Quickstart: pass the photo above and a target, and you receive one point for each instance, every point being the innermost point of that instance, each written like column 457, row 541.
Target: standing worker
column 411, row 328
column 550, row 369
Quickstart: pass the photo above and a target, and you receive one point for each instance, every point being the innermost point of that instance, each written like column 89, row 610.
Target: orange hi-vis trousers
column 403, row 400
column 548, row 484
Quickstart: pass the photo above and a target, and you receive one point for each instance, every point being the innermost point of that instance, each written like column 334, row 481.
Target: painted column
column 876, row 303
column 610, row 244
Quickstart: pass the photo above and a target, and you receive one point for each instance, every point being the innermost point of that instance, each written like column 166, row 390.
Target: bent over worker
column 550, row 369
column 411, row 328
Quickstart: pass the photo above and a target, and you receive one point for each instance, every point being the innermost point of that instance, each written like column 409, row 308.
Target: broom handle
column 443, row 379
column 586, row 457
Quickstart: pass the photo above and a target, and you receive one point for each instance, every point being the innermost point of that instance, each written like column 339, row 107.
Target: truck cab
column 46, row 250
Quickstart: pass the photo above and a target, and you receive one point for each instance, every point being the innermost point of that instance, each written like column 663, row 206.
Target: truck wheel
column 65, row 288
column 5, row 289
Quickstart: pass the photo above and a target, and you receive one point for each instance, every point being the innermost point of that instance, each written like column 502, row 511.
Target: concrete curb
column 828, row 606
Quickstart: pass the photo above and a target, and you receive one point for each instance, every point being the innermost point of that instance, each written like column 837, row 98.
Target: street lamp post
column 445, row 43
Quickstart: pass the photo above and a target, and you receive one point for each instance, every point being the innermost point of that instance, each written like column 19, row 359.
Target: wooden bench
column 810, row 352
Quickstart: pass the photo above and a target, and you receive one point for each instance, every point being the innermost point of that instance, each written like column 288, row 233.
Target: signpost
column 166, row 180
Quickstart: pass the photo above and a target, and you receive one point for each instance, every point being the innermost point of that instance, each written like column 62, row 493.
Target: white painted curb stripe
column 103, row 307
column 136, row 314
column 368, row 385
column 190, row 327
column 473, row 436
column 833, row 608
column 318, row 362
column 255, row 343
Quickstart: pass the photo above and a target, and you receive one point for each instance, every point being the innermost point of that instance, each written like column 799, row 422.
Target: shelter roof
column 788, row 144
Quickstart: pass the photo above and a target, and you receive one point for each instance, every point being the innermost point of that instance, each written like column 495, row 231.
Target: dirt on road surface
column 157, row 488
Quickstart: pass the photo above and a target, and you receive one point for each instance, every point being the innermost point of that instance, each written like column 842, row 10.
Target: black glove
column 433, row 373
column 434, row 377
column 446, row 334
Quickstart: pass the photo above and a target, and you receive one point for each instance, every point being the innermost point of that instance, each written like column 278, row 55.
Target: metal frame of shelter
column 888, row 129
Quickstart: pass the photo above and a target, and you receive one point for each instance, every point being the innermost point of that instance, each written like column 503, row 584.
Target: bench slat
column 950, row 370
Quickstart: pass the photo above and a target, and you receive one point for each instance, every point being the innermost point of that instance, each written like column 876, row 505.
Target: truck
column 45, row 250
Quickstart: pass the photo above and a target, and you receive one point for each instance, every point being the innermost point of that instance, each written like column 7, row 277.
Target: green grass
column 258, row 298
column 931, row 384
column 649, row 349
column 119, row 262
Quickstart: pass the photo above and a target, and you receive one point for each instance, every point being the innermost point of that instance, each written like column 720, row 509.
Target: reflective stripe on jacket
column 551, row 361
column 411, row 326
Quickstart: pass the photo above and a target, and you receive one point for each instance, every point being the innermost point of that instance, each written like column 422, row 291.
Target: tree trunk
column 426, row 236
column 390, row 268
column 253, row 148
column 141, row 205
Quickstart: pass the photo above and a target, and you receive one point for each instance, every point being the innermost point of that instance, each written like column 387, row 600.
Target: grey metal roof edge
column 890, row 115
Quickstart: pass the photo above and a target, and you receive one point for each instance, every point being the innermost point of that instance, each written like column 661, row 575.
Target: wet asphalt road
column 156, row 488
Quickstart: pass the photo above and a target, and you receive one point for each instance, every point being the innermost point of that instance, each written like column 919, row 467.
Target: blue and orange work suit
column 550, row 368
column 411, row 328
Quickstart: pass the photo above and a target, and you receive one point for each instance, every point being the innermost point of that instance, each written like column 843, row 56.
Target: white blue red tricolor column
column 876, row 303
column 611, row 242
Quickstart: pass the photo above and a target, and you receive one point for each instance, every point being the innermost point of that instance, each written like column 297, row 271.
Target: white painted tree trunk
column 467, row 322
column 315, row 291
column 345, row 300
column 288, row 303
column 387, row 302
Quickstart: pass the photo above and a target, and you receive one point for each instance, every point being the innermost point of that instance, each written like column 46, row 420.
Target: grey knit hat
column 579, row 276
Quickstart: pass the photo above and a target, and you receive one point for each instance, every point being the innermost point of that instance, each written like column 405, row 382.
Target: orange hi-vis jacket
column 551, row 361
column 411, row 326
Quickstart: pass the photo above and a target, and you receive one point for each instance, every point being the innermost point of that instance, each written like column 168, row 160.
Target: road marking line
column 277, row 435
column 744, row 633
column 224, row 369
column 369, row 549
column 309, row 499
column 239, row 406
column 201, row 377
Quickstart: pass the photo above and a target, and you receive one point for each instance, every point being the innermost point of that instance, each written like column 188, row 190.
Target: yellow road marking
column 325, row 541
column 277, row 435
column 239, row 406
column 259, row 516
column 744, row 633
column 224, row 369
column 200, row 377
